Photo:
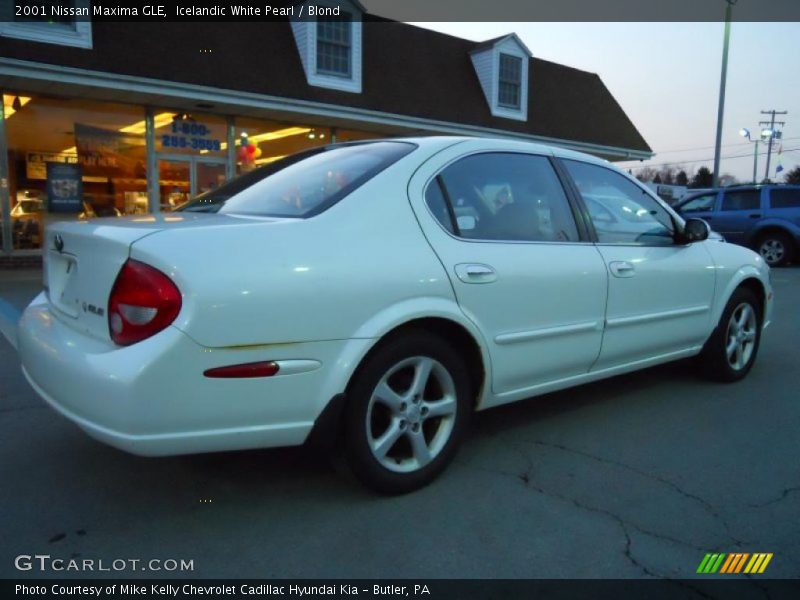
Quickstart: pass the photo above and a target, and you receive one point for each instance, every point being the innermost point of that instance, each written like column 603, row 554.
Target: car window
column 785, row 198
column 303, row 184
column 702, row 203
column 621, row 211
column 741, row 200
column 503, row 196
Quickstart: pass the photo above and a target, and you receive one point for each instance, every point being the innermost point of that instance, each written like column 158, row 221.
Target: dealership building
column 112, row 119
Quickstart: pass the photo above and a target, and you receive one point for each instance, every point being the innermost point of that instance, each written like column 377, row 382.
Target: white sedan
column 376, row 294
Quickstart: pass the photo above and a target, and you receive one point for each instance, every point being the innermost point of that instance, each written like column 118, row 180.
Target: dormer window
column 330, row 44
column 64, row 22
column 335, row 46
column 502, row 66
column 509, row 92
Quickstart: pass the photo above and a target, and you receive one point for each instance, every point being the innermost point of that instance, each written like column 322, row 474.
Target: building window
column 509, row 92
column 334, row 46
column 71, row 159
column 64, row 22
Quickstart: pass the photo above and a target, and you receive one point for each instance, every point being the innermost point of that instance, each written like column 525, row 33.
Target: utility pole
column 723, row 76
column 771, row 124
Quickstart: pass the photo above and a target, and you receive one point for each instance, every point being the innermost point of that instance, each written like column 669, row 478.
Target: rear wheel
column 407, row 412
column 731, row 350
column 776, row 248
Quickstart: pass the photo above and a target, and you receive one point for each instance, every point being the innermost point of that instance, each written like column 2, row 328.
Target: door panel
column 511, row 250
column 662, row 306
column 543, row 314
column 739, row 211
column 659, row 292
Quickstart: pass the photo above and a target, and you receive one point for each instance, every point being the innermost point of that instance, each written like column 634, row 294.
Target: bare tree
column 646, row 174
column 667, row 174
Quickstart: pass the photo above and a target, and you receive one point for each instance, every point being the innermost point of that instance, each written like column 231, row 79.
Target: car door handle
column 754, row 216
column 622, row 268
column 475, row 273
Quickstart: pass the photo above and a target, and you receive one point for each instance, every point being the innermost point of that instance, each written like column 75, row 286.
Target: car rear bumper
column 152, row 398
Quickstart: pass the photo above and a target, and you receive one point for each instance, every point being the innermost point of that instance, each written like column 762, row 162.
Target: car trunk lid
column 83, row 258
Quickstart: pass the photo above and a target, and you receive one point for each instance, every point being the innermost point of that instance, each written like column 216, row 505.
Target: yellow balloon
column 258, row 152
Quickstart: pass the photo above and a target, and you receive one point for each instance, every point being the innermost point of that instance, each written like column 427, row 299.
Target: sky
column 666, row 77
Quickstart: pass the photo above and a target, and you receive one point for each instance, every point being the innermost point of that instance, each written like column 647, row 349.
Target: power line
column 696, row 160
column 711, row 147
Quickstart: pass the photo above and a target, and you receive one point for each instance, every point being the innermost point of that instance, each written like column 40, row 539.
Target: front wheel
column 407, row 411
column 731, row 350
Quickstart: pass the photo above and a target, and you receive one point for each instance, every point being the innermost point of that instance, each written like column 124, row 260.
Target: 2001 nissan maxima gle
column 384, row 291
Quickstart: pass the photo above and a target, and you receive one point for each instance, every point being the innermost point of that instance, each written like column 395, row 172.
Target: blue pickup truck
column 765, row 217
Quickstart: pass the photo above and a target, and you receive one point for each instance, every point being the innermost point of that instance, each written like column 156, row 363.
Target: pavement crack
column 707, row 506
column 527, row 478
column 784, row 494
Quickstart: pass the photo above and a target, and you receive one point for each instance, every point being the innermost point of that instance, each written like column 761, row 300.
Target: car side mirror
column 695, row 230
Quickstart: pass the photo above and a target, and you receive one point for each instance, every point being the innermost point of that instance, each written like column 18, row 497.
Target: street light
column 766, row 135
column 723, row 77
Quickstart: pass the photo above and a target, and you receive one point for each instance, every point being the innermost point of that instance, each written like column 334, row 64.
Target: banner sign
column 107, row 153
column 36, row 162
column 64, row 188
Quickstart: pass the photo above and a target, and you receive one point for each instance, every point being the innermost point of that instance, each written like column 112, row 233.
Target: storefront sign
column 64, row 188
column 36, row 162
column 190, row 135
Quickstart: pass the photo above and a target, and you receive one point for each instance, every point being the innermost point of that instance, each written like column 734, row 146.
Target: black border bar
column 187, row 11
column 714, row 587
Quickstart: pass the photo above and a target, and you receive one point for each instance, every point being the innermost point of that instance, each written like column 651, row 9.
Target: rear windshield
column 301, row 185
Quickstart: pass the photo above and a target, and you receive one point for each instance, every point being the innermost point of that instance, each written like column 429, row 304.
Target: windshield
column 301, row 185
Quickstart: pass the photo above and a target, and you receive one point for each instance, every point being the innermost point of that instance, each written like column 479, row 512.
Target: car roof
column 434, row 141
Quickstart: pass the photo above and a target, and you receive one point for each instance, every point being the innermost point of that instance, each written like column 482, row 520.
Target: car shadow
column 309, row 470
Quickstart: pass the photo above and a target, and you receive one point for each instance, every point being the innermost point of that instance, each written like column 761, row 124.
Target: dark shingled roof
column 407, row 70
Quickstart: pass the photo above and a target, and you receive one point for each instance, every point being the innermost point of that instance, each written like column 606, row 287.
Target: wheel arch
column 757, row 287
column 460, row 337
column 770, row 227
column 747, row 277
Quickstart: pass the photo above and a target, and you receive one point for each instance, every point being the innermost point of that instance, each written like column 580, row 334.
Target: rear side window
column 702, row 203
column 304, row 184
column 785, row 198
column 741, row 200
column 503, row 197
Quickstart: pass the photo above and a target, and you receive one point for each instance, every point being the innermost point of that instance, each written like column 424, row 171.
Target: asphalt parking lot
column 637, row 476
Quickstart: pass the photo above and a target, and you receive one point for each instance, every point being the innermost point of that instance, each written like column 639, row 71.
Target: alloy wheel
column 741, row 338
column 772, row 251
column 411, row 414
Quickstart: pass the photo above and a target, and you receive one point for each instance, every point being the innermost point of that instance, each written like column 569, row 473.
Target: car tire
column 408, row 409
column 776, row 248
column 730, row 352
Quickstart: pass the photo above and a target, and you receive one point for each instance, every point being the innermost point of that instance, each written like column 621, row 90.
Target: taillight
column 143, row 302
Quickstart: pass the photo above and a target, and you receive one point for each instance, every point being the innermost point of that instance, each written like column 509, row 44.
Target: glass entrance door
column 182, row 178
column 174, row 183
column 208, row 176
